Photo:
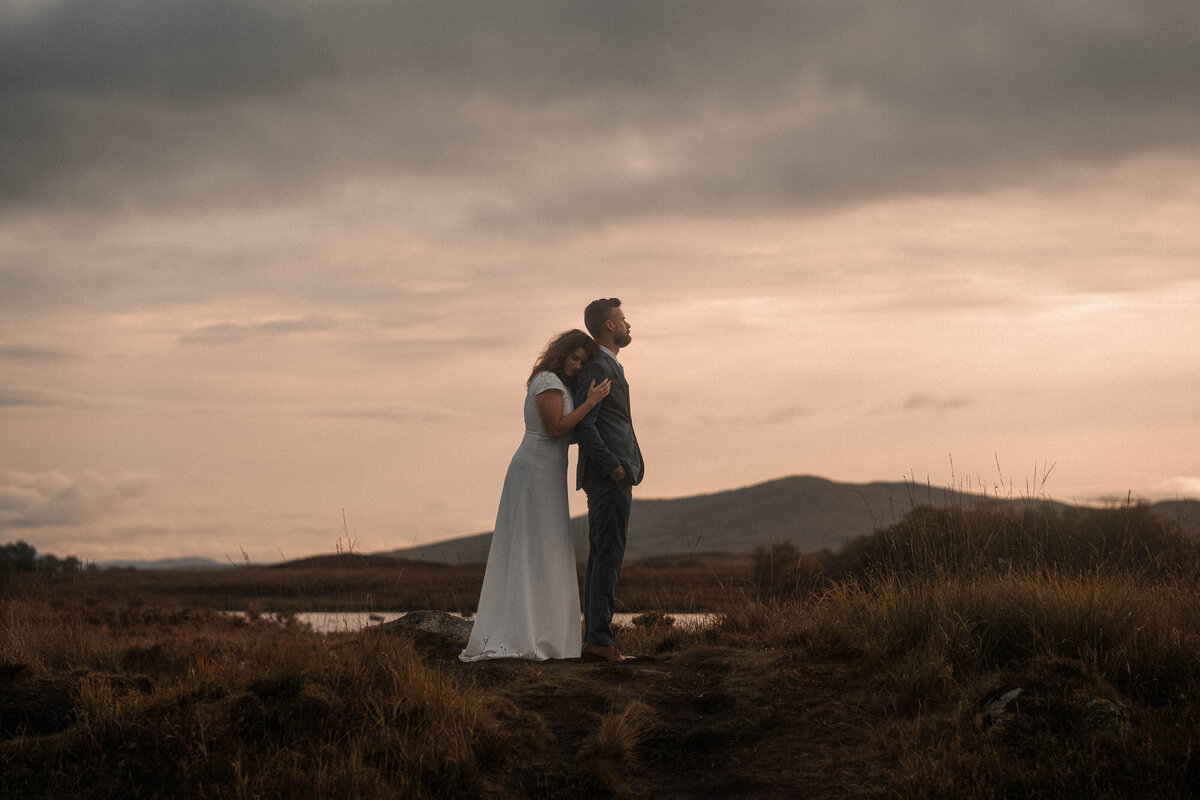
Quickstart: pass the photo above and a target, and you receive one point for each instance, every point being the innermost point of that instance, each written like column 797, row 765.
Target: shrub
column 1041, row 538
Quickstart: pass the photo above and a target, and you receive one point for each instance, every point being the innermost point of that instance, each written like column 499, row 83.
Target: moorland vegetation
column 972, row 652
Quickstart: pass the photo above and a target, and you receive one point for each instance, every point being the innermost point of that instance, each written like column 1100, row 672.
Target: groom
column 610, row 465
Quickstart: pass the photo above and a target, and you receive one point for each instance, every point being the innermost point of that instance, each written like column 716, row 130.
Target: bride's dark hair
column 554, row 357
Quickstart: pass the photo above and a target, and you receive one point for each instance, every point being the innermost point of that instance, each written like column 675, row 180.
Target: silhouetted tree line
column 22, row 557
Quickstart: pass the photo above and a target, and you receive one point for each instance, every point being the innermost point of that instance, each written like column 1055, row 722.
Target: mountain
column 812, row 513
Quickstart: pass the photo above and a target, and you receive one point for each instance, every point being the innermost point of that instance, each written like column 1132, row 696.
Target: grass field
column 956, row 654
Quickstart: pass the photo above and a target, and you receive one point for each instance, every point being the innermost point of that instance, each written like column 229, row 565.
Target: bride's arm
column 550, row 405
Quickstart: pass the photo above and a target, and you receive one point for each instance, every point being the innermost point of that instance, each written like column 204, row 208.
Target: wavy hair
column 554, row 357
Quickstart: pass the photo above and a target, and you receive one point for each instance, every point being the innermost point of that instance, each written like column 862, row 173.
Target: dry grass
column 342, row 585
column 619, row 734
column 204, row 705
column 284, row 589
column 864, row 679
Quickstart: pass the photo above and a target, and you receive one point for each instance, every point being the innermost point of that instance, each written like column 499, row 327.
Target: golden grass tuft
column 619, row 734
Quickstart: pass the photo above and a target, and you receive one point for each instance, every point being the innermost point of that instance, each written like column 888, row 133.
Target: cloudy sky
column 272, row 274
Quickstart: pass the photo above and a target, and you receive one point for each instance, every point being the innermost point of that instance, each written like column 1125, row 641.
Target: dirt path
column 709, row 722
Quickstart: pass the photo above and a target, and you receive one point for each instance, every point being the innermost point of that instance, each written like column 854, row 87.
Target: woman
column 529, row 604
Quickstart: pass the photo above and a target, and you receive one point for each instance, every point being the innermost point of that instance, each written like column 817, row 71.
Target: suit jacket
column 605, row 436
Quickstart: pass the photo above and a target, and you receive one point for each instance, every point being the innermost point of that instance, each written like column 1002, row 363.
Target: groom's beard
column 623, row 340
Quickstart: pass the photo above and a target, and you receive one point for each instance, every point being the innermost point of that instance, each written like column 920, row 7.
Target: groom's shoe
column 597, row 652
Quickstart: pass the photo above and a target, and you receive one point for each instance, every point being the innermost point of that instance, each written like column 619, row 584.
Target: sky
column 273, row 274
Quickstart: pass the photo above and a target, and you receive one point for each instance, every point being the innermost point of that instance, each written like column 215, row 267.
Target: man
column 610, row 465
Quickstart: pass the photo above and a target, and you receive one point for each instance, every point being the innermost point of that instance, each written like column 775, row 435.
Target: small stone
column 1106, row 716
column 997, row 710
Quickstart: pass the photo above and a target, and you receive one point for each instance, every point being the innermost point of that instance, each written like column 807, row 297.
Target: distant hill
column 812, row 513
column 185, row 562
column 346, row 561
column 1185, row 512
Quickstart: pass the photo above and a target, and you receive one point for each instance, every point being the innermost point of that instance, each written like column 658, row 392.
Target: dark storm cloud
column 575, row 111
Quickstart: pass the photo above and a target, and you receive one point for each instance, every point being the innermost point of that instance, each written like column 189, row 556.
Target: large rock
column 440, row 623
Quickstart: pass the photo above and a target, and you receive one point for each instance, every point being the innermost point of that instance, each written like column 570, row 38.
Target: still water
column 350, row 621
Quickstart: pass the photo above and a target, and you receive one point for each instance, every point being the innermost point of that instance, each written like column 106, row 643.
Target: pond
column 351, row 621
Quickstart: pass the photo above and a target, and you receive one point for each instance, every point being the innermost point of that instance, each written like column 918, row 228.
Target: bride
column 529, row 603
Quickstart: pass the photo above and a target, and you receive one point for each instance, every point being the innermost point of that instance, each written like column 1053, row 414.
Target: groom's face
column 621, row 337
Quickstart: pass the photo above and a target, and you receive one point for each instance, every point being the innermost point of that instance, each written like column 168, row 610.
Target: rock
column 998, row 709
column 1107, row 717
column 1014, row 709
column 652, row 618
column 440, row 623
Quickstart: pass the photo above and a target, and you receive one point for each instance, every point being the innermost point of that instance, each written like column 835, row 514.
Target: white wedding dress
column 529, row 603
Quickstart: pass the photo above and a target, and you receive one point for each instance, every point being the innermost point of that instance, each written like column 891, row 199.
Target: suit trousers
column 609, row 505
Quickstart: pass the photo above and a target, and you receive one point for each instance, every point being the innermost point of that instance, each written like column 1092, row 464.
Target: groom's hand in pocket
column 618, row 474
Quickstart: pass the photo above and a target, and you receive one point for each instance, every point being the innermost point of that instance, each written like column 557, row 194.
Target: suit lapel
column 620, row 371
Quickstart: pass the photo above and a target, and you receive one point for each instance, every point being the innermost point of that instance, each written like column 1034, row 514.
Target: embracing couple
column 529, row 603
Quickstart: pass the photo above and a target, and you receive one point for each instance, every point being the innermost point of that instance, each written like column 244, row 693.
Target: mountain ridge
column 812, row 513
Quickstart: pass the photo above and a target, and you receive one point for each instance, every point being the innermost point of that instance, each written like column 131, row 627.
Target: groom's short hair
column 597, row 313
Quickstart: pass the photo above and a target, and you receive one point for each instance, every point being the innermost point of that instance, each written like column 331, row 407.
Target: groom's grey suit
column 606, row 441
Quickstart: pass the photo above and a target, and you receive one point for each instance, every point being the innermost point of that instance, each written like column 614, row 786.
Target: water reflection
column 351, row 621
